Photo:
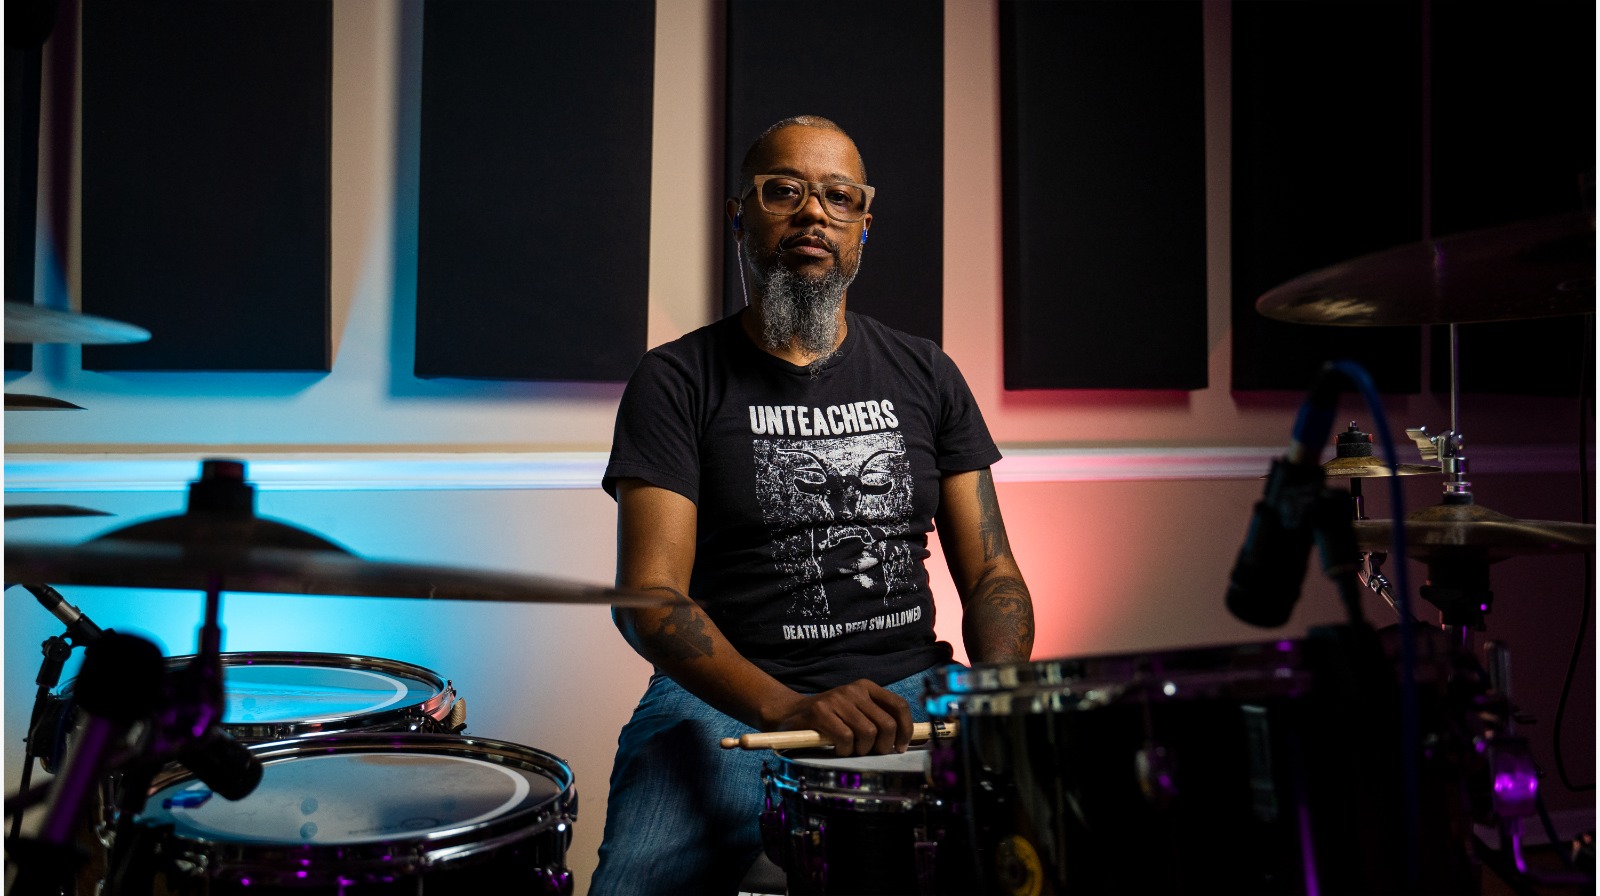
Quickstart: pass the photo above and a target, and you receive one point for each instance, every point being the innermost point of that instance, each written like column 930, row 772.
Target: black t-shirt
column 815, row 491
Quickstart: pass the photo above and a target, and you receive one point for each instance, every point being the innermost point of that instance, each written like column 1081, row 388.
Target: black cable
column 1585, row 396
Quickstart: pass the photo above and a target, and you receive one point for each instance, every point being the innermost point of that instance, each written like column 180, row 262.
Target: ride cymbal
column 1532, row 269
column 219, row 544
column 120, row 563
column 32, row 323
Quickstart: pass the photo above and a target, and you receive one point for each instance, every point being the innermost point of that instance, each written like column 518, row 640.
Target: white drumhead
column 914, row 760
column 264, row 694
column 355, row 798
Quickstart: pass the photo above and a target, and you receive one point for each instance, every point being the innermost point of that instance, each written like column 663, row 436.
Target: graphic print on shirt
column 840, row 504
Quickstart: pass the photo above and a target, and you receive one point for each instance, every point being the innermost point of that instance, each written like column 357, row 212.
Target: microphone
column 117, row 686
column 1265, row 582
column 81, row 630
column 204, row 746
column 222, row 764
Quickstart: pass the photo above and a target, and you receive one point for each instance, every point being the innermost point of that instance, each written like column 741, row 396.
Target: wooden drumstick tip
column 807, row 738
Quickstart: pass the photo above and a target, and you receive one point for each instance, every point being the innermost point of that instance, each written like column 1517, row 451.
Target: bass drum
column 1270, row 768
column 364, row 813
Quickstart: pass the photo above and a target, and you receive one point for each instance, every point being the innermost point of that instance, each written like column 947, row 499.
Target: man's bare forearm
column 682, row 641
column 997, row 622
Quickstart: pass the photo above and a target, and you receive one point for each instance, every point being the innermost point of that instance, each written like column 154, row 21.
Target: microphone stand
column 57, row 649
column 194, row 706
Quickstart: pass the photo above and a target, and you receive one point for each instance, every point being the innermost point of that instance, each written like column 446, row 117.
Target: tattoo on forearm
column 991, row 528
column 681, row 634
column 1001, row 616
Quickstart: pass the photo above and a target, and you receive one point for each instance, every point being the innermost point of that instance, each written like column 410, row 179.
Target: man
column 776, row 475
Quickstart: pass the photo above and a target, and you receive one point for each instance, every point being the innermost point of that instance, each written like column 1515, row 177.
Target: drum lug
column 1156, row 769
column 927, row 860
column 811, row 853
column 554, row 880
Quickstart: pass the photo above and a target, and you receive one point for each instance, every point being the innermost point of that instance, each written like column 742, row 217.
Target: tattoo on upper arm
column 991, row 528
column 681, row 633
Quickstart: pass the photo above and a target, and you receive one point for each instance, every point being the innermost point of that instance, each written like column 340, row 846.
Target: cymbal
column 34, row 323
column 219, row 544
column 274, row 570
column 16, row 401
column 1370, row 467
column 1443, row 531
column 37, row 511
column 1531, row 269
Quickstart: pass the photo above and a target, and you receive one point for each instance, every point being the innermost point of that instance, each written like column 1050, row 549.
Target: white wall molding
column 542, row 470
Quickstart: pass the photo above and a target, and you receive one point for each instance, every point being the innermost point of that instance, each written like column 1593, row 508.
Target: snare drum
column 1256, row 768
column 858, row 824
column 279, row 695
column 368, row 813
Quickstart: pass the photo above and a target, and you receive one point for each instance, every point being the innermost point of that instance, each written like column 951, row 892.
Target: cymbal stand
column 1458, row 581
column 1355, row 443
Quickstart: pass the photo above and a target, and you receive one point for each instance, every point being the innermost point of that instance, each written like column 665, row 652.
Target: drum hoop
column 843, row 783
column 213, row 856
column 436, row 707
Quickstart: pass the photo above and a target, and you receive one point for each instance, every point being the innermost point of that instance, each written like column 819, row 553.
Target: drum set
column 1355, row 760
column 272, row 772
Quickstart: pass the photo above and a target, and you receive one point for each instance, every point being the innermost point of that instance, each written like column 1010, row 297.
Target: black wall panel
column 1513, row 112
column 534, row 194
column 1327, row 166
column 206, row 182
column 877, row 70
column 1103, row 168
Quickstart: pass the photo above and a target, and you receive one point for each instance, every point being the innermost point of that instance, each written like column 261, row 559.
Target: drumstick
column 806, row 738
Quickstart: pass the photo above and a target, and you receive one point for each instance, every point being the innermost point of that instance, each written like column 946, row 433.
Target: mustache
column 788, row 242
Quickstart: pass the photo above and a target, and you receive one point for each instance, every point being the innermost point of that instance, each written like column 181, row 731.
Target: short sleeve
column 656, row 436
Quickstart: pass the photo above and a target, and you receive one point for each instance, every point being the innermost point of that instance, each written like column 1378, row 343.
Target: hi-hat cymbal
column 1370, row 467
column 32, row 323
column 1452, row 530
column 1532, row 269
column 16, row 401
column 120, row 563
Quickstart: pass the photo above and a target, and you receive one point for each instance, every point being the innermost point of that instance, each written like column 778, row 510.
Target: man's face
column 808, row 243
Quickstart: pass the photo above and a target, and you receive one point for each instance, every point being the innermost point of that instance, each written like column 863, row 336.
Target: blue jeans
column 684, row 814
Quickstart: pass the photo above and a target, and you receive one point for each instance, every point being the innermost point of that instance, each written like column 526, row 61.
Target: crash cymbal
column 38, row 511
column 33, row 323
column 19, row 402
column 118, row 563
column 1370, row 467
column 1453, row 530
column 1532, row 269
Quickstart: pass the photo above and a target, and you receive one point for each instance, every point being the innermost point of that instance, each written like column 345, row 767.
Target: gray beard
column 802, row 311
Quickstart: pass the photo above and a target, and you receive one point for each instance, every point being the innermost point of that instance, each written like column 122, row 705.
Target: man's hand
column 860, row 718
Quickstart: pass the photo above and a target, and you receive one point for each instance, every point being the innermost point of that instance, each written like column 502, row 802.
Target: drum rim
column 436, row 706
column 214, row 857
column 853, row 785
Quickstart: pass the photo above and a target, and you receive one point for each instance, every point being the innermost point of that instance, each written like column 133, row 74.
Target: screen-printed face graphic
column 837, row 503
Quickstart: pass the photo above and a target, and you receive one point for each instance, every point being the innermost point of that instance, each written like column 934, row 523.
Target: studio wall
column 1125, row 506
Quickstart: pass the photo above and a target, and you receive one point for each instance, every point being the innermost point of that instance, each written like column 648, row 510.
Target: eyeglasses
column 843, row 201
